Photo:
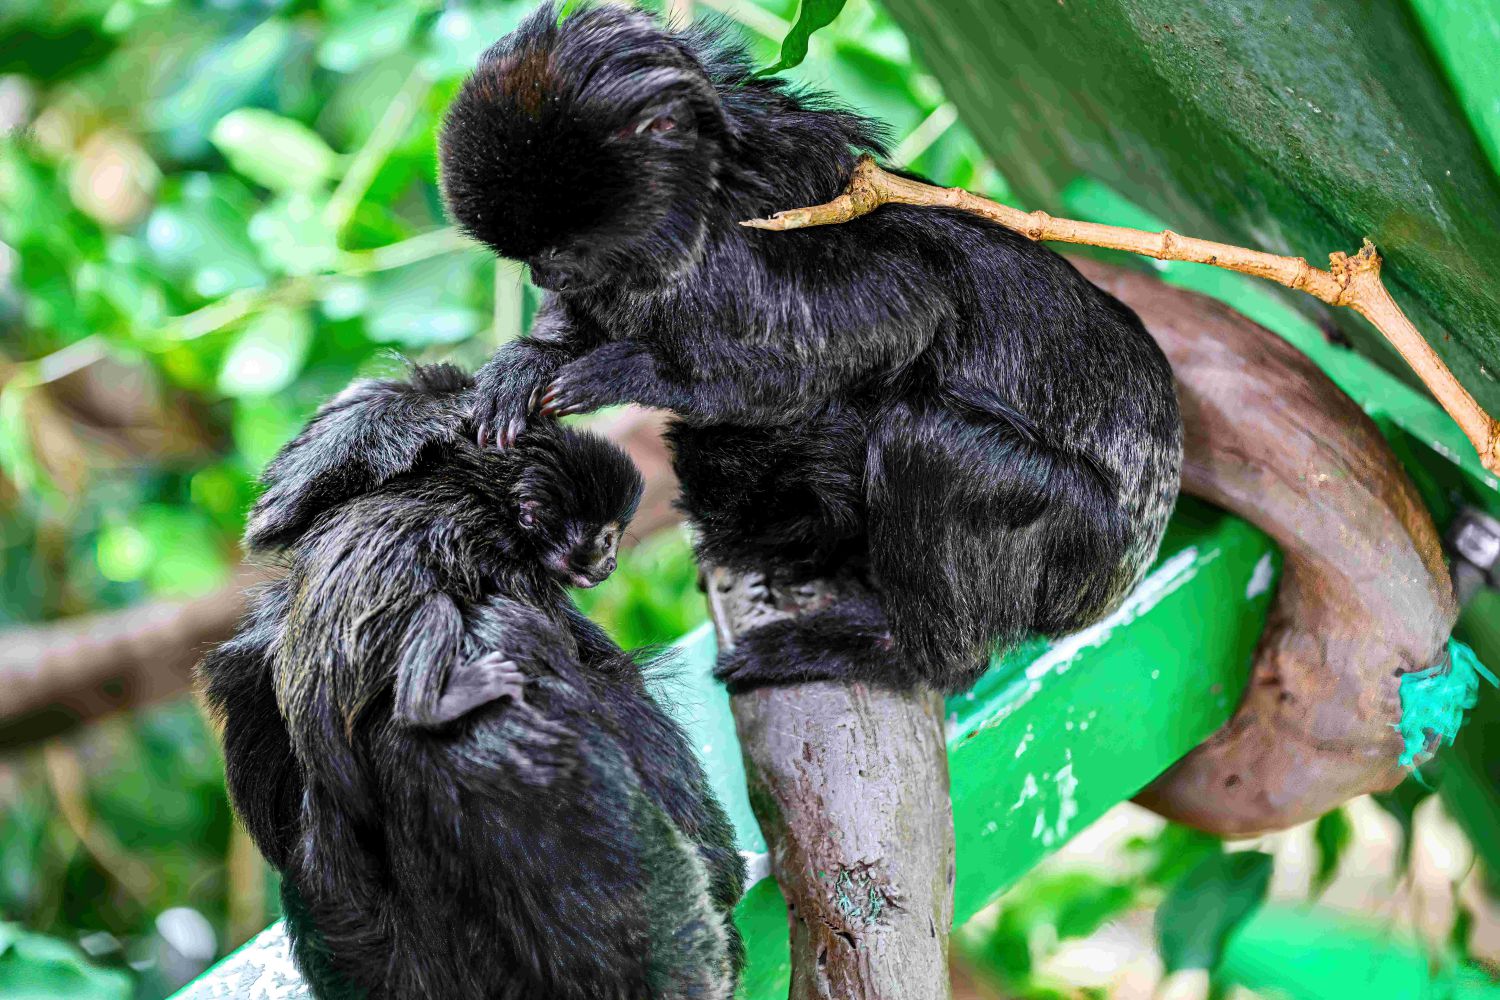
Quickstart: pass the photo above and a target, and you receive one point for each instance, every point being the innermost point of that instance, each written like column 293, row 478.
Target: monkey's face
column 576, row 553
column 587, row 150
column 573, row 499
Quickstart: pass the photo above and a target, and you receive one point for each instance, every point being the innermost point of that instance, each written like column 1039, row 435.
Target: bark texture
column 850, row 784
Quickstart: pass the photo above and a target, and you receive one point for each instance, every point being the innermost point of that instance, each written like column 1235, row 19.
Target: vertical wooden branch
column 850, row 784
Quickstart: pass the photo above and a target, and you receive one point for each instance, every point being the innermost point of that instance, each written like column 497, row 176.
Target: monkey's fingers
column 561, row 400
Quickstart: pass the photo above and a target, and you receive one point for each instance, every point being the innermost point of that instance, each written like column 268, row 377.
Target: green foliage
column 1401, row 803
column 811, row 15
column 33, row 967
column 1471, row 771
column 653, row 597
column 1332, row 836
column 1206, row 907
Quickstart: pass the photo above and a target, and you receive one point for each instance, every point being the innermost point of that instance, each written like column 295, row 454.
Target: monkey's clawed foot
column 615, row 373
column 501, row 415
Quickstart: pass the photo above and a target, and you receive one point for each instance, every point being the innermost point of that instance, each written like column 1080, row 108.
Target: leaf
column 274, row 152
column 811, row 15
column 1176, row 850
column 1471, row 770
column 267, row 354
column 197, row 234
column 1401, row 802
column 1205, row 908
column 1332, row 836
column 232, row 73
column 291, row 236
column 461, row 34
column 262, row 426
column 363, row 36
column 1463, row 928
column 188, row 553
column 36, row 967
column 430, row 302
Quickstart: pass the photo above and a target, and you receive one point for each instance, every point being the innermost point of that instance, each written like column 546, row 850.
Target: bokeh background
column 213, row 215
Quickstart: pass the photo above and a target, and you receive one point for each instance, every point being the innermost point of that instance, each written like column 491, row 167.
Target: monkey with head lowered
column 918, row 396
column 465, row 784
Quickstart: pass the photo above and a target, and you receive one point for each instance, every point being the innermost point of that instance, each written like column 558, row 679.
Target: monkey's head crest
column 586, row 149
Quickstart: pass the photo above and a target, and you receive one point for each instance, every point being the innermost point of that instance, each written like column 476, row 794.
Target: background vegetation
column 213, row 215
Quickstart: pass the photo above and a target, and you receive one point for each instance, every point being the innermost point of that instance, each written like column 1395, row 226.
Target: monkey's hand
column 507, row 390
column 619, row 372
column 491, row 677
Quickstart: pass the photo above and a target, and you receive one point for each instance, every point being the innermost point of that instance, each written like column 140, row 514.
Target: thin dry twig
column 1352, row 281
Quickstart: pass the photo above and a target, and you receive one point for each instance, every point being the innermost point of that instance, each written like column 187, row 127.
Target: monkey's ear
column 369, row 433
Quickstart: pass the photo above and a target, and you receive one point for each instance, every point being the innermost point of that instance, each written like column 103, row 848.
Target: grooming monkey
column 918, row 396
column 465, row 784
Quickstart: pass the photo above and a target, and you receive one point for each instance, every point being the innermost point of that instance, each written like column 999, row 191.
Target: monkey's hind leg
column 981, row 535
column 849, row 641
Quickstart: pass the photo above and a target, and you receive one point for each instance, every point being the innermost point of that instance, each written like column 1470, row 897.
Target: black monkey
column 464, row 782
column 918, row 395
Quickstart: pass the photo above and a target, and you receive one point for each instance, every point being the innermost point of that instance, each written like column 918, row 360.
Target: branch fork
column 1352, row 281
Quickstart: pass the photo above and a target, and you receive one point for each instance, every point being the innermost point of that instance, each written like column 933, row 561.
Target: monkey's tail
column 982, row 534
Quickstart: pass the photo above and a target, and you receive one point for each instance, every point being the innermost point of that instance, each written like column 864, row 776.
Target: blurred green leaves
column 275, row 152
column 33, row 967
column 267, row 354
column 1206, row 907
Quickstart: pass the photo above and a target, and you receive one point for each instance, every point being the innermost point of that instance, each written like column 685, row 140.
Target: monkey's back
column 1014, row 477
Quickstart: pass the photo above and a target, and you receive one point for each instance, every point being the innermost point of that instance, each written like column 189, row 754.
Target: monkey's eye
column 656, row 124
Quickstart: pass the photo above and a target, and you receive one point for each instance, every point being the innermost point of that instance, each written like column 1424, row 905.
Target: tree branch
column 850, row 785
column 1349, row 281
column 1364, row 595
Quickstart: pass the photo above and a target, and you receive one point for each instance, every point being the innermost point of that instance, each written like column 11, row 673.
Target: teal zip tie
column 1433, row 701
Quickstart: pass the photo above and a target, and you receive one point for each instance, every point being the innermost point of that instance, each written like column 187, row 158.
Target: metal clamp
column 1473, row 541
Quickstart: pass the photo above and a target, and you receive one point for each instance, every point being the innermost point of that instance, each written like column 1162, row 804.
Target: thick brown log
column 1364, row 596
column 59, row 675
column 850, row 784
column 69, row 672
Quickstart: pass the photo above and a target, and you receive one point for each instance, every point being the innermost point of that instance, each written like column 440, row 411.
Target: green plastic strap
column 1435, row 700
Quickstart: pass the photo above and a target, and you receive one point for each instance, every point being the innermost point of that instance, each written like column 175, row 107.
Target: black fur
column 918, row 395
column 464, row 782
